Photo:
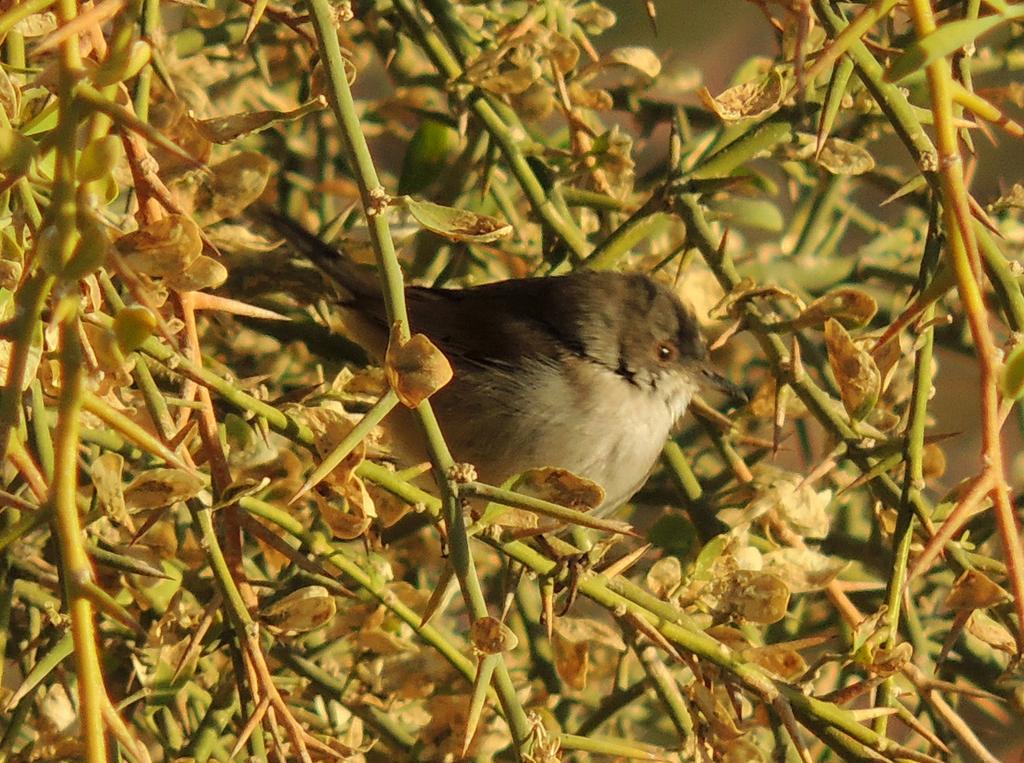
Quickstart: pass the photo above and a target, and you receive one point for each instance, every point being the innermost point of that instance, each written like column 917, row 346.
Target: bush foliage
column 207, row 554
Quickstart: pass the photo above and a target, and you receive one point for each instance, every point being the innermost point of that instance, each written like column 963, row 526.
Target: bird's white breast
column 581, row 417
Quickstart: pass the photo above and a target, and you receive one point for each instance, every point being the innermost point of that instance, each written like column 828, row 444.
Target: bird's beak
column 712, row 378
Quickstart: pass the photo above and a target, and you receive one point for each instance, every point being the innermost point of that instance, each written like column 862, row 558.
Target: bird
column 587, row 371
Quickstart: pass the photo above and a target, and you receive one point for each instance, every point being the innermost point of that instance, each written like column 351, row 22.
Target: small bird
column 587, row 372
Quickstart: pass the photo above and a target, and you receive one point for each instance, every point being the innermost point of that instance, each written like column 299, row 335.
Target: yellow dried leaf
column 457, row 224
column 644, row 60
column 562, row 52
column 975, row 590
column 163, row 248
column 10, row 96
column 794, row 502
column 803, row 569
column 106, row 472
column 740, row 750
column 390, row 508
column 562, row 487
column 984, row 628
column 841, row 157
column 228, row 128
column 857, row 376
column 382, row 642
column 37, row 25
column 226, row 189
column 204, row 273
column 489, row 635
column 416, row 368
column 887, row 662
column 933, row 461
column 300, row 611
column 732, row 304
column 1014, row 199
column 586, row 630
column 749, row 595
column 747, row 101
column 572, row 660
column 133, row 325
column 851, row 307
column 512, row 81
column 788, row 664
column 344, row 526
column 156, row 488
column 664, row 577
column 593, row 17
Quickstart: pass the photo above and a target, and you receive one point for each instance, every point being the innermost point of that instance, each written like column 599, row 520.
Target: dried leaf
column 856, row 374
column 133, row 325
column 803, row 569
column 163, row 248
column 933, row 461
column 228, row 128
column 643, row 60
column 106, row 473
column 562, row 52
column 562, row 487
column 343, row 525
column 788, row 664
column 993, row 633
column 489, row 635
column 226, row 189
column 594, row 18
column 794, row 502
column 1014, row 199
column 853, row 308
column 457, row 224
column 37, row 25
column 583, row 629
column 415, row 368
column 841, row 157
column 513, row 81
column 749, row 595
column 747, row 101
column 572, row 660
column 664, row 577
column 975, row 590
column 156, row 488
column 731, row 305
column 887, row 662
column 204, row 273
column 300, row 611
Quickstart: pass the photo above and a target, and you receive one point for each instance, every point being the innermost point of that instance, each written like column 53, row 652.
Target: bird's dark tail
column 349, row 278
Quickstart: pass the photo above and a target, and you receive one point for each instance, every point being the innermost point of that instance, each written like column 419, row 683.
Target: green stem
column 374, row 201
column 77, row 568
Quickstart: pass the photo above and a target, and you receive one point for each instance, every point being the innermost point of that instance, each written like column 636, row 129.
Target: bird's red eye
column 666, row 351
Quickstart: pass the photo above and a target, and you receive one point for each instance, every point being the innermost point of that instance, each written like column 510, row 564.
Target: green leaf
column 16, row 152
column 428, row 152
column 943, row 41
column 675, row 534
column 748, row 213
column 1011, row 378
column 457, row 224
